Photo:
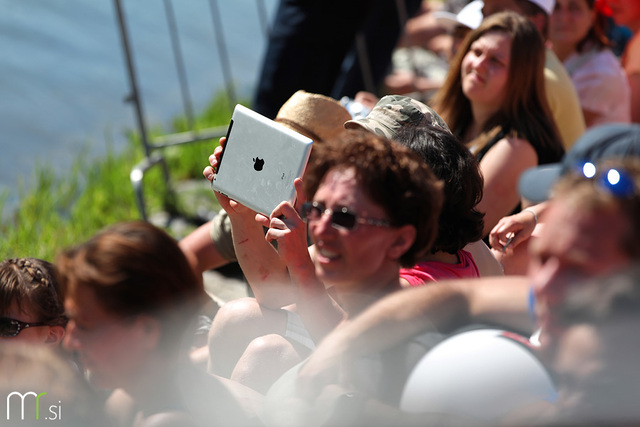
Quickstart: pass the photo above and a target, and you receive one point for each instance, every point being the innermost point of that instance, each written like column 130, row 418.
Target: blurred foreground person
column 132, row 297
column 592, row 230
column 42, row 388
column 597, row 352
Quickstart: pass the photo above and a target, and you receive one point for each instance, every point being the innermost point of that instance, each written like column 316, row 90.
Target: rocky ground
column 196, row 205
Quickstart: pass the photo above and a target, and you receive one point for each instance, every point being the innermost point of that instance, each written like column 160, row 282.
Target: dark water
column 63, row 76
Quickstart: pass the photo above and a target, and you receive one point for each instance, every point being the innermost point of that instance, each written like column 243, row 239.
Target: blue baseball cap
column 602, row 142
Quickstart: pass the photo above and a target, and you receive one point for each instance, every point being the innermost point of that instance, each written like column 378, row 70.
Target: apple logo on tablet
column 258, row 163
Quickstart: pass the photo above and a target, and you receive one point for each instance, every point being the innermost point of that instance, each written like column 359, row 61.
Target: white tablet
column 260, row 161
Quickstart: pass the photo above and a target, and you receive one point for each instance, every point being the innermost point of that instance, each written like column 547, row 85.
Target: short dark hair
column 452, row 163
column 392, row 176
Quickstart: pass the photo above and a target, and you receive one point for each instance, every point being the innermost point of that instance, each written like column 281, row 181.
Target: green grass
column 60, row 211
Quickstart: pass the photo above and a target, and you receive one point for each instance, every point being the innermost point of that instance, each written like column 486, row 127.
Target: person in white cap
column 561, row 94
column 459, row 25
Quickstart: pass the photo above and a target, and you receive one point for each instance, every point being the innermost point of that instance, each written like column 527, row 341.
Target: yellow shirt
column 563, row 101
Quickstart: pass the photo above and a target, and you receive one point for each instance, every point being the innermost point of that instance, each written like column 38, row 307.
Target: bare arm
column 319, row 312
column 260, row 263
column 515, row 229
column 501, row 168
column 443, row 306
column 200, row 250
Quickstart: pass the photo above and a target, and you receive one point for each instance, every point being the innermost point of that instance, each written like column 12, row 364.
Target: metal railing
column 153, row 146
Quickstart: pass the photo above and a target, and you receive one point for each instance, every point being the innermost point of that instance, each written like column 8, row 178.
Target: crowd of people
column 468, row 256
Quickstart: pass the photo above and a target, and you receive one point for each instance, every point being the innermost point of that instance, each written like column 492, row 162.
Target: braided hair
column 31, row 284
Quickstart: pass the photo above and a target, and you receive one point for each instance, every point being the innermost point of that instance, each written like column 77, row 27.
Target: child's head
column 30, row 305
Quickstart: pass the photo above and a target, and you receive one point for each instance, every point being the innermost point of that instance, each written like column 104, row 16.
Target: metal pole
column 222, row 50
column 134, row 95
column 264, row 21
column 182, row 75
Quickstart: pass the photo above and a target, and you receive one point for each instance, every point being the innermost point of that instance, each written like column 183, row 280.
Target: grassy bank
column 59, row 211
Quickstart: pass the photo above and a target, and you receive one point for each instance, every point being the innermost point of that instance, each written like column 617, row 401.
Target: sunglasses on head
column 12, row 327
column 341, row 218
column 616, row 181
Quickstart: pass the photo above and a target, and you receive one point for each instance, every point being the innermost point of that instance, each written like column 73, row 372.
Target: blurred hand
column 230, row 206
column 321, row 369
column 512, row 230
column 287, row 228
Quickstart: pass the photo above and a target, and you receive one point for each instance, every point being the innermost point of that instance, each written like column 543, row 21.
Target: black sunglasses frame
column 352, row 220
column 18, row 324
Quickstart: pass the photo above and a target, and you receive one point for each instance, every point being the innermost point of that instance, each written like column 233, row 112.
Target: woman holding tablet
column 372, row 207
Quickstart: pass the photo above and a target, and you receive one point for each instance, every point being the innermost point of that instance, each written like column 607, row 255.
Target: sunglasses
column 617, row 182
column 341, row 219
column 12, row 327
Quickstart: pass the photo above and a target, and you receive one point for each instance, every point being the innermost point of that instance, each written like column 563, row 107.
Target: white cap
column 470, row 16
column 546, row 5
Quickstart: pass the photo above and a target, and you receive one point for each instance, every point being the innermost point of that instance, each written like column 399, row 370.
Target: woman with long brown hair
column 494, row 100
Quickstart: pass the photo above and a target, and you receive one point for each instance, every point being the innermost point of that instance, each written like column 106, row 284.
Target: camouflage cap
column 395, row 111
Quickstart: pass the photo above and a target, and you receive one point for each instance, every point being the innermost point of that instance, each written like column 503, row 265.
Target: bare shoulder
column 517, row 143
column 517, row 152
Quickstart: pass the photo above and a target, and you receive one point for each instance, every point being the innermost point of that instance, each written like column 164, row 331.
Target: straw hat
column 316, row 116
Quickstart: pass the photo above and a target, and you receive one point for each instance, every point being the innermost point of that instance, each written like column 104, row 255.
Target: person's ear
column 55, row 335
column 149, row 329
column 405, row 236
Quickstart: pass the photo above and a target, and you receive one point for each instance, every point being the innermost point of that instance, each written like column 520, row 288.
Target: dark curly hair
column 452, row 163
column 392, row 176
column 30, row 283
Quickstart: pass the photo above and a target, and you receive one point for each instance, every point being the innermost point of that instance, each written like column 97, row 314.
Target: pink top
column 433, row 271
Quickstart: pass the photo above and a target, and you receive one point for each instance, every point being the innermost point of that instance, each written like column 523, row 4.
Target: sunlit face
column 495, row 6
column 108, row 346
column 485, row 69
column 575, row 244
column 352, row 260
column 570, row 22
column 626, row 12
